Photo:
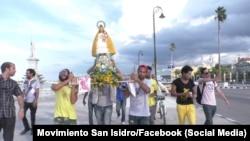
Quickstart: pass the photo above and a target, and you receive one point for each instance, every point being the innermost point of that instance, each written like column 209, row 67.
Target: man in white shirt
column 139, row 113
column 30, row 93
column 208, row 100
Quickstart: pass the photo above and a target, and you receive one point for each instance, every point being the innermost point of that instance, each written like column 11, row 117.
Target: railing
column 46, row 94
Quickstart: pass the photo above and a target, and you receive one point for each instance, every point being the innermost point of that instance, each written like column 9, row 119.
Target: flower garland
column 104, row 72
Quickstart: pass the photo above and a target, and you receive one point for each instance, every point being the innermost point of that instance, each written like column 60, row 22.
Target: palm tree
column 221, row 17
column 172, row 48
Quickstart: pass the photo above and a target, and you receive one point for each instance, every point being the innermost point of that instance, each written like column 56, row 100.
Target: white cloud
column 137, row 17
column 201, row 20
column 63, row 32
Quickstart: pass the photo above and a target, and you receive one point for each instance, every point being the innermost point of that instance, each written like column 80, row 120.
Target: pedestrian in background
column 184, row 90
column 31, row 87
column 8, row 89
column 152, row 100
column 121, row 101
column 208, row 99
column 91, row 106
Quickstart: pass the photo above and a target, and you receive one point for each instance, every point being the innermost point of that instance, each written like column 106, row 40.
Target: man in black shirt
column 184, row 90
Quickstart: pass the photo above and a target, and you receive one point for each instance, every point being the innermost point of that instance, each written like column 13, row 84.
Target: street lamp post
column 155, row 10
column 139, row 53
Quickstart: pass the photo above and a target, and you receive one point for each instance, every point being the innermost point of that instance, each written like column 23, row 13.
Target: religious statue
column 32, row 48
column 104, row 72
column 102, row 43
column 103, row 49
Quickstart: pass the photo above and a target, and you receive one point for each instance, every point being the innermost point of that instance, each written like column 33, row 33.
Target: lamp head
column 162, row 16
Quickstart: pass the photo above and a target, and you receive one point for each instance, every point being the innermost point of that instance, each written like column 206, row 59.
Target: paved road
column 239, row 110
column 46, row 109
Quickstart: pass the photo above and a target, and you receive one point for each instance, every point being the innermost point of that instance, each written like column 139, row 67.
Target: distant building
column 243, row 65
column 240, row 71
column 246, row 60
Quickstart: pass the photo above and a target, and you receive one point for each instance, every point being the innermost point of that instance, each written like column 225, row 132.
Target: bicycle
column 162, row 108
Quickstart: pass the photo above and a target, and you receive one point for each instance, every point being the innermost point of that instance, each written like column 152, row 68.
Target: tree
column 197, row 73
column 220, row 17
column 177, row 72
column 223, row 68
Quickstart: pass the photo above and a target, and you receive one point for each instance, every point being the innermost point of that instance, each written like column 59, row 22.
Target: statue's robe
column 103, row 49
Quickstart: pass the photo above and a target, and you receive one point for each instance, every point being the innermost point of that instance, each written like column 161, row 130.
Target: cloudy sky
column 62, row 32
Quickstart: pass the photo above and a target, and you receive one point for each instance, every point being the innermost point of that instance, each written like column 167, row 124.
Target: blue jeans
column 209, row 111
column 103, row 114
column 121, row 105
column 90, row 111
column 138, row 120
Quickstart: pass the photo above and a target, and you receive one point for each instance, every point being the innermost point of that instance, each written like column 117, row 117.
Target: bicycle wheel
column 159, row 111
column 160, row 114
column 163, row 114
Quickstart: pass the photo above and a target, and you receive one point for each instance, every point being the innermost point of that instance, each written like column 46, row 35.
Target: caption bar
column 126, row 131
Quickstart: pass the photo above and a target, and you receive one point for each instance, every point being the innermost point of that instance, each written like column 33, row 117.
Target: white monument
column 33, row 63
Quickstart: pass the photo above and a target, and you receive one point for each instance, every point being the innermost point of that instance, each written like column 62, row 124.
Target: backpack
column 199, row 93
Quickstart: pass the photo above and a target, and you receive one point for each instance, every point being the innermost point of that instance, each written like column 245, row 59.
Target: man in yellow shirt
column 152, row 97
column 66, row 97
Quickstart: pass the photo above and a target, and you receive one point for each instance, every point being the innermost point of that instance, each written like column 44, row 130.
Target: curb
column 234, row 87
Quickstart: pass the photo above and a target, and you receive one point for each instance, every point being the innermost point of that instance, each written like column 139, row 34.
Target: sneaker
column 24, row 131
column 118, row 115
column 123, row 123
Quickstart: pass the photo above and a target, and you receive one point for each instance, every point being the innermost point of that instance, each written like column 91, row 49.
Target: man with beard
column 30, row 93
column 139, row 109
column 66, row 97
column 8, row 89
